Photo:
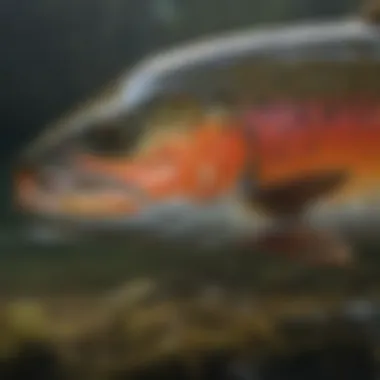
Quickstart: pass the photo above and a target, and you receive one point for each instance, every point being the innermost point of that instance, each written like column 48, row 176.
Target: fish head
column 170, row 173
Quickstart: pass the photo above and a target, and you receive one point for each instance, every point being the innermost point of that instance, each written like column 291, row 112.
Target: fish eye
column 111, row 138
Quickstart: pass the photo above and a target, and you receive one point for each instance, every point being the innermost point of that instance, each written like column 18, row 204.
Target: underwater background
column 184, row 316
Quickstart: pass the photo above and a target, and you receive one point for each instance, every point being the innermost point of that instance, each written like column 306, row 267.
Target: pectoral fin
column 286, row 202
column 293, row 196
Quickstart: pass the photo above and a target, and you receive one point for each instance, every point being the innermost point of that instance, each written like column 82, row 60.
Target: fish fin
column 293, row 196
column 306, row 244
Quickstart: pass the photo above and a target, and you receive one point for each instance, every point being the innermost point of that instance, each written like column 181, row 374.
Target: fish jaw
column 221, row 220
column 61, row 196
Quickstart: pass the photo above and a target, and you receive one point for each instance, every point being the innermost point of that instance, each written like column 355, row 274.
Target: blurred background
column 57, row 53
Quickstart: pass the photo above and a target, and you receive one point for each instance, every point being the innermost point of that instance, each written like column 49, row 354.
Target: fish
column 264, row 137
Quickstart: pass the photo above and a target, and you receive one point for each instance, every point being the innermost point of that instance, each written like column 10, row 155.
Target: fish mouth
column 90, row 198
column 101, row 204
column 73, row 195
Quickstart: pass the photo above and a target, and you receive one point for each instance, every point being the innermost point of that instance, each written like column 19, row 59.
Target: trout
column 288, row 160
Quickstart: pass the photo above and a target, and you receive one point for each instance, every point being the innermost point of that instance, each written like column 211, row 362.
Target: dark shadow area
column 33, row 361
